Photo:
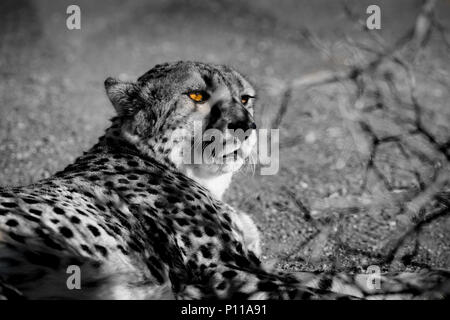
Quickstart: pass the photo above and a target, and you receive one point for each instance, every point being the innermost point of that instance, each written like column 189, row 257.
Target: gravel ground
column 53, row 106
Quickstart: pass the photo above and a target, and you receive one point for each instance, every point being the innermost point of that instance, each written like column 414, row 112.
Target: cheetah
column 141, row 223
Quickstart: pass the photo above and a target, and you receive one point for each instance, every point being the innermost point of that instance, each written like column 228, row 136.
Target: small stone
column 340, row 164
column 310, row 137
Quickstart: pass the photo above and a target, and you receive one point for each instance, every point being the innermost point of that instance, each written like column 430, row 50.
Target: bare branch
column 405, row 130
column 283, row 108
column 415, row 229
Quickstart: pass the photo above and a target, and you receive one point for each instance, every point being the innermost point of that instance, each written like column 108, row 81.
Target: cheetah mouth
column 232, row 151
column 226, row 155
column 230, row 158
column 231, row 161
column 234, row 155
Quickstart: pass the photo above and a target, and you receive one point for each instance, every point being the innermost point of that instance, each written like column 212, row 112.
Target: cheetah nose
column 242, row 129
column 244, row 125
column 242, row 119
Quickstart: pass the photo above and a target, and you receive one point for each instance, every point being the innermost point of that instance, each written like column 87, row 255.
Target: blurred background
column 336, row 203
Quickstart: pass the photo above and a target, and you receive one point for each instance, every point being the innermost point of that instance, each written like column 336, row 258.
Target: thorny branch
column 429, row 200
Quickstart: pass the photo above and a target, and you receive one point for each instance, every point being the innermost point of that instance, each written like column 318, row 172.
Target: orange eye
column 196, row 96
column 245, row 99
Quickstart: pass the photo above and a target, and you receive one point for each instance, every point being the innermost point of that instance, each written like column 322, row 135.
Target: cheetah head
column 185, row 106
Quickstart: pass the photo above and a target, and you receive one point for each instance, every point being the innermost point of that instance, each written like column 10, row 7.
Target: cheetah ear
column 121, row 94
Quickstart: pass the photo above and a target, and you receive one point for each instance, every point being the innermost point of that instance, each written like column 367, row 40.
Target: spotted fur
column 140, row 224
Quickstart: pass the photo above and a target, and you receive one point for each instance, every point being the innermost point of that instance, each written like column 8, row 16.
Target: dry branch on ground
column 428, row 199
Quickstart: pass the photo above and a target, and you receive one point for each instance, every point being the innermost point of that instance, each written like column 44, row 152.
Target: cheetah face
column 204, row 109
